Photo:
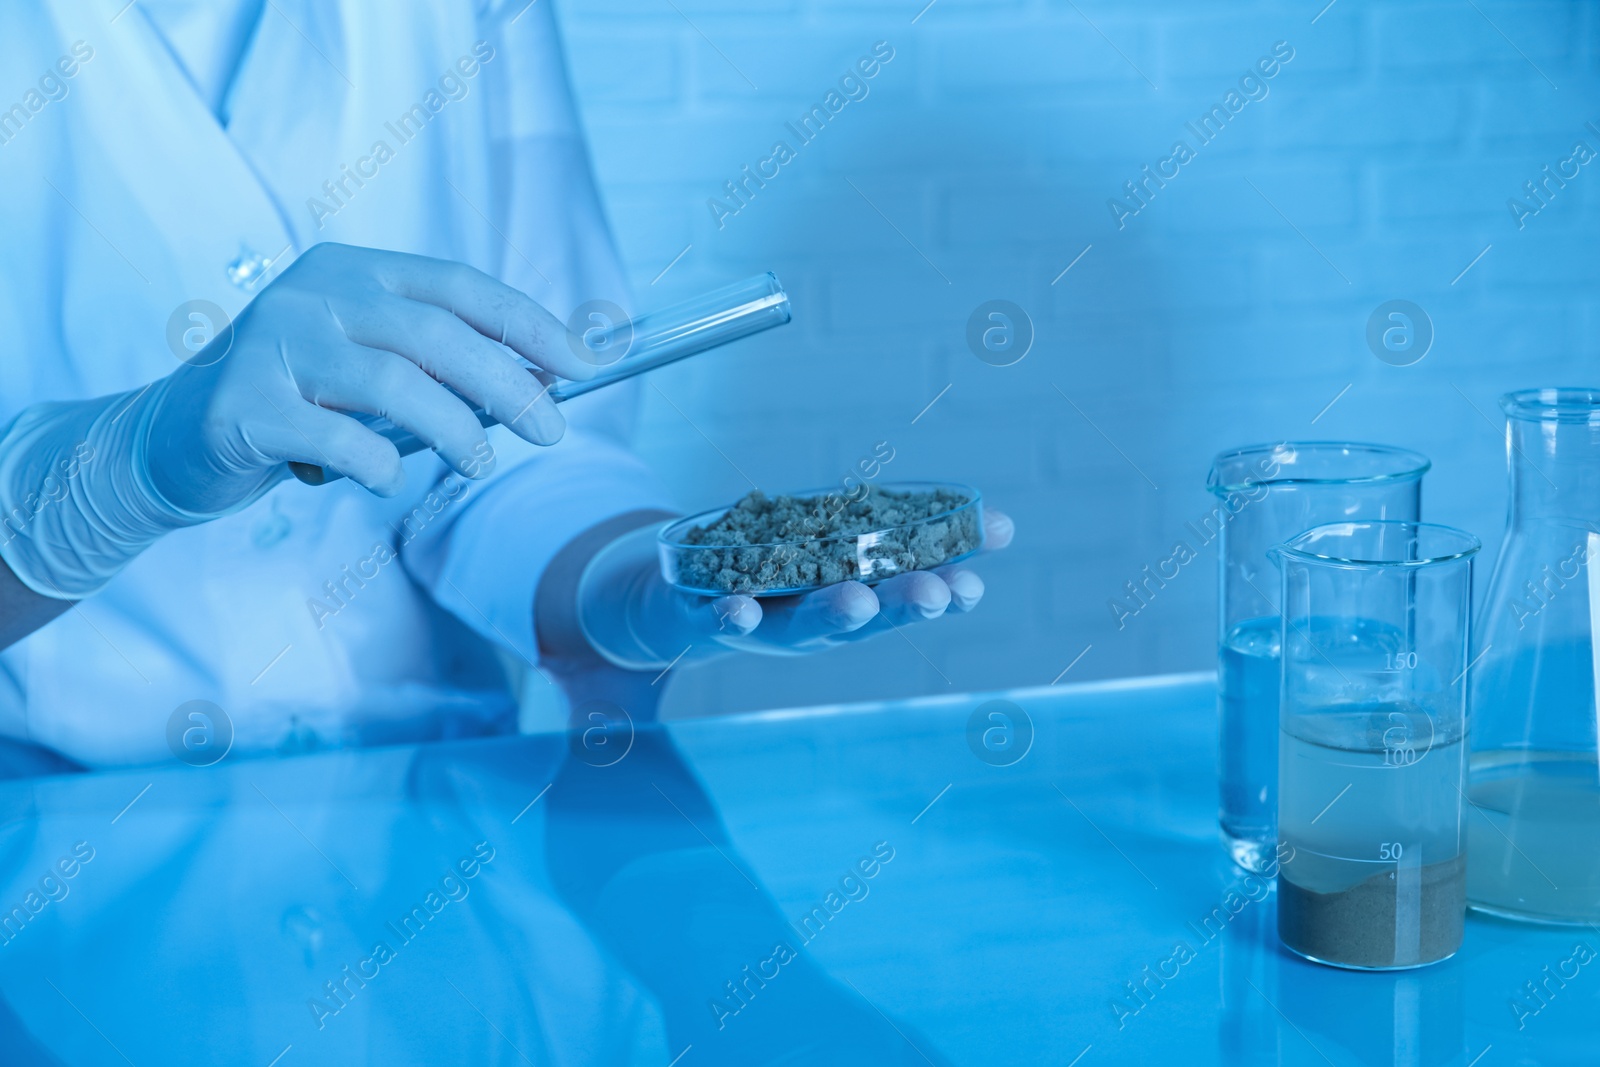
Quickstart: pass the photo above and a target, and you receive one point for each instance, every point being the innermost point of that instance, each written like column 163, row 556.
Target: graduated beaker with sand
column 1372, row 753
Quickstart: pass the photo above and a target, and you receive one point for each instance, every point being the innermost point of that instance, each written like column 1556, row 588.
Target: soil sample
column 1399, row 917
column 792, row 542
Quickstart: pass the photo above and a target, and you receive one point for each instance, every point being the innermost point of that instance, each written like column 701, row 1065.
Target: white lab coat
column 122, row 197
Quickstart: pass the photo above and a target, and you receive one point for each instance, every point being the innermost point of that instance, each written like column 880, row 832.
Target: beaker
column 1266, row 494
column 1372, row 745
column 1535, row 830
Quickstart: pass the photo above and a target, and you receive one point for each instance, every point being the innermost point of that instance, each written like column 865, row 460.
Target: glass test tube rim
column 645, row 343
column 647, row 339
column 1412, row 465
column 772, row 299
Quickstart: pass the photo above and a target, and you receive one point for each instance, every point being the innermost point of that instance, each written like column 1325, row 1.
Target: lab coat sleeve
column 484, row 564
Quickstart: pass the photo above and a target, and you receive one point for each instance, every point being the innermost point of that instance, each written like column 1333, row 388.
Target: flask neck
column 1555, row 469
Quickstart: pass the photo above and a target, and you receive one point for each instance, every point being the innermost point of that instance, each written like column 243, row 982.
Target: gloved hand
column 635, row 620
column 350, row 328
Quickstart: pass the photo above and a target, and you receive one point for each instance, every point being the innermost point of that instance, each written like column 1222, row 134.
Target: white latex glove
column 634, row 619
column 349, row 328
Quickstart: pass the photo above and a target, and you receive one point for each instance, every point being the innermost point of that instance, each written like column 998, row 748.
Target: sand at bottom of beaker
column 1357, row 927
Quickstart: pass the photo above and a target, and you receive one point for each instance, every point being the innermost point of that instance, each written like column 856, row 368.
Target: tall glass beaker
column 1372, row 752
column 1265, row 495
column 1535, row 831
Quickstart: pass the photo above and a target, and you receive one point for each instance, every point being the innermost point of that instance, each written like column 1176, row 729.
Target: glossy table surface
column 868, row 884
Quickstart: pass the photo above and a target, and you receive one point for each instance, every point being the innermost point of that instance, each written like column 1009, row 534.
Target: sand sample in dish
column 767, row 543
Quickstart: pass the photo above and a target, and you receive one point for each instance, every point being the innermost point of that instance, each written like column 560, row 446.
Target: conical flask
column 1534, row 834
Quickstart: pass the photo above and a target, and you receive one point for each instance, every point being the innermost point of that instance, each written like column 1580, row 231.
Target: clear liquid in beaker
column 1248, row 763
column 1369, row 801
column 1534, row 836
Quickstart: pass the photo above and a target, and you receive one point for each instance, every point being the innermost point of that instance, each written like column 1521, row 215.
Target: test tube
column 625, row 347
column 1372, row 749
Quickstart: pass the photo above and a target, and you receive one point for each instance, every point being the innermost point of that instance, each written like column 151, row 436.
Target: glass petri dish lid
column 848, row 545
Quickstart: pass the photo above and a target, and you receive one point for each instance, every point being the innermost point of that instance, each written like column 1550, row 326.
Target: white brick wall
column 992, row 141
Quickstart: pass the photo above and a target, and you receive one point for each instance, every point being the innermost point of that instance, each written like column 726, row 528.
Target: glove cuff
column 76, row 500
column 613, row 600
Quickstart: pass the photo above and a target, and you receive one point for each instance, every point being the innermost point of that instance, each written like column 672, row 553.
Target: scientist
column 369, row 193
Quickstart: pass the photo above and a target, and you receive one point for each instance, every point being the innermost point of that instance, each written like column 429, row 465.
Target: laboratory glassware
column 1267, row 494
column 1372, row 748
column 624, row 347
column 1535, row 833
column 808, row 563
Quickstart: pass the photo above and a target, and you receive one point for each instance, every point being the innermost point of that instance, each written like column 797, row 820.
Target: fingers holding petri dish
column 800, row 619
column 998, row 530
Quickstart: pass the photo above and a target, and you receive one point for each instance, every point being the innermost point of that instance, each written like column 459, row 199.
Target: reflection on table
column 836, row 886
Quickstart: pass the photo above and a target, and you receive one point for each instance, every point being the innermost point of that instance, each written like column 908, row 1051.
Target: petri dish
column 844, row 549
